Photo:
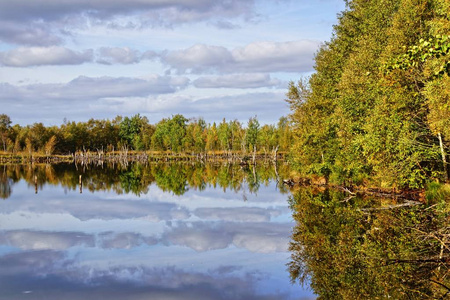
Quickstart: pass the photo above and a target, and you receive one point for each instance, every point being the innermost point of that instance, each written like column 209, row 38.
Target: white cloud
column 30, row 35
column 107, row 209
column 296, row 56
column 111, row 55
column 102, row 87
column 201, row 238
column 88, row 88
column 240, row 81
column 261, row 237
column 38, row 56
column 54, row 9
column 261, row 243
column 108, row 97
column 268, row 107
column 235, row 214
column 254, row 58
column 75, row 14
column 39, row 240
column 198, row 58
column 55, row 55
column 122, row 55
column 124, row 240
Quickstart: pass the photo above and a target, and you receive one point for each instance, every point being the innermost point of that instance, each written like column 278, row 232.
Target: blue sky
column 83, row 59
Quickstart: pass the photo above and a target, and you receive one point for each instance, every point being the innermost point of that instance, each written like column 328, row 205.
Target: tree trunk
column 4, row 142
column 275, row 154
column 444, row 159
column 254, row 155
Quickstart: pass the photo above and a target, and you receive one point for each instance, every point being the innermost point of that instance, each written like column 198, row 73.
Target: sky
column 81, row 59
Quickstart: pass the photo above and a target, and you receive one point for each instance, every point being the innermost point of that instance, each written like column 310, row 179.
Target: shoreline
column 143, row 157
column 416, row 195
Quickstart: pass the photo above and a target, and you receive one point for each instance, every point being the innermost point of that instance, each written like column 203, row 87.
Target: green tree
column 212, row 139
column 103, row 134
column 251, row 138
column 177, row 131
column 130, row 131
column 237, row 135
column 195, row 138
column 224, row 135
column 39, row 135
column 170, row 133
column 50, row 146
column 284, row 134
column 5, row 126
column 268, row 138
column 159, row 138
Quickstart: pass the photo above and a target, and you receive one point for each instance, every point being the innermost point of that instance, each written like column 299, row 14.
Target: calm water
column 166, row 231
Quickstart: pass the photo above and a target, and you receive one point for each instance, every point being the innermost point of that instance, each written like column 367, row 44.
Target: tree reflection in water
column 360, row 249
column 136, row 178
column 5, row 184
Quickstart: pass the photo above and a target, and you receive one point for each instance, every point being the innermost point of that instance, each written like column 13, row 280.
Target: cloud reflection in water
column 201, row 245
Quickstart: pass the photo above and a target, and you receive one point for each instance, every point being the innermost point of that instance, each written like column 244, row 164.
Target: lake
column 156, row 231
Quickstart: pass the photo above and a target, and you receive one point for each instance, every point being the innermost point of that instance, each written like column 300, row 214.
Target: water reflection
column 5, row 184
column 160, row 231
column 370, row 248
column 136, row 178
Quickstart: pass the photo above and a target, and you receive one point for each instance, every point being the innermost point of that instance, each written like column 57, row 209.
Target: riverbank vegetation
column 377, row 109
column 128, row 135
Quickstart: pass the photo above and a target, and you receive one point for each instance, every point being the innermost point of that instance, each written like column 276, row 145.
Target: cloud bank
column 294, row 56
column 42, row 17
column 258, row 57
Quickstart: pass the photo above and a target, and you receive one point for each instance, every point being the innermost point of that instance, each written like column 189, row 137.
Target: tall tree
column 5, row 126
column 212, row 138
column 224, row 135
column 130, row 131
column 253, row 129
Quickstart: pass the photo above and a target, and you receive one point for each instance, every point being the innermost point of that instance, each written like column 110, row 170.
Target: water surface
column 161, row 231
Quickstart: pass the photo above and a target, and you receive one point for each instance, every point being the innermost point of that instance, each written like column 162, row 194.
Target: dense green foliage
column 176, row 134
column 377, row 110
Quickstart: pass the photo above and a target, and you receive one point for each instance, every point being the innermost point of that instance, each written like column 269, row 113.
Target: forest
column 175, row 134
column 377, row 109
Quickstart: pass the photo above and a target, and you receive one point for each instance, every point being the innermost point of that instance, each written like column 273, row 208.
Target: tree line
column 377, row 109
column 175, row 134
